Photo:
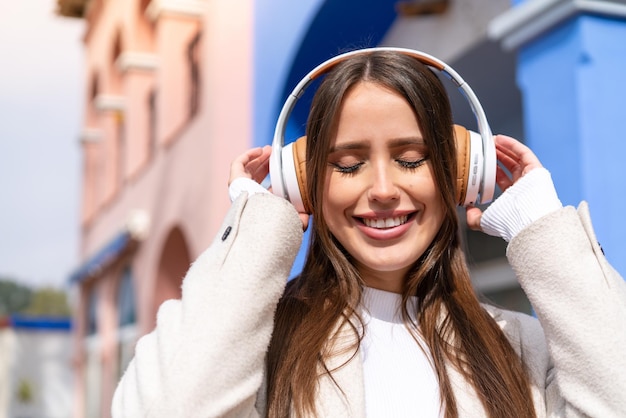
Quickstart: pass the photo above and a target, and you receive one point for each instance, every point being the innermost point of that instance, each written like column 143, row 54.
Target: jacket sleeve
column 580, row 301
column 206, row 356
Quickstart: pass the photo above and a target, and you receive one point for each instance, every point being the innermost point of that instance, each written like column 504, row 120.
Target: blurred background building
column 36, row 378
column 177, row 88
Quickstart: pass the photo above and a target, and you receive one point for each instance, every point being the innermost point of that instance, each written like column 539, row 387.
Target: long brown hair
column 457, row 330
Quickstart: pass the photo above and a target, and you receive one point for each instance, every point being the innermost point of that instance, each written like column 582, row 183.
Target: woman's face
column 380, row 197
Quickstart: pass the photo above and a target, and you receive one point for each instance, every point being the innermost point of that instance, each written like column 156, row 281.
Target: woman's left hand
column 518, row 159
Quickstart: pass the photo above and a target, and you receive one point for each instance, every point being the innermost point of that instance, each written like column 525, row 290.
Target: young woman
column 383, row 320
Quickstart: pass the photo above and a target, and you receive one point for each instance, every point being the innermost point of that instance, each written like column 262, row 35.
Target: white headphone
column 476, row 153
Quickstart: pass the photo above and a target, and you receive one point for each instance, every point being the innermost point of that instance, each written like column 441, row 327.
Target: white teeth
column 385, row 223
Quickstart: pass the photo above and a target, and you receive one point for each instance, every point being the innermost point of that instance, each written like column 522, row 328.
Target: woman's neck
column 389, row 281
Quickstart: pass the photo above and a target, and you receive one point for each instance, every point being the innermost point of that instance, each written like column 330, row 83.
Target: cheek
column 438, row 210
column 339, row 196
column 427, row 192
column 332, row 198
column 434, row 194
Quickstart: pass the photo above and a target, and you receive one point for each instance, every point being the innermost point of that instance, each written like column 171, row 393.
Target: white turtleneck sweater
column 399, row 377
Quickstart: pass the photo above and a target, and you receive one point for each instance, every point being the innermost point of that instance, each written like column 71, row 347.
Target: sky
column 41, row 102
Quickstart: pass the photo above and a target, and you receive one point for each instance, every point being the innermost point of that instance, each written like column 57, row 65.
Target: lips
column 385, row 227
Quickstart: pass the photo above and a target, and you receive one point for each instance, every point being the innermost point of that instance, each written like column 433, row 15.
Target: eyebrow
column 394, row 143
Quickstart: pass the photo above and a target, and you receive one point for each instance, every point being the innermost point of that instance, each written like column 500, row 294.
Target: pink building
column 167, row 107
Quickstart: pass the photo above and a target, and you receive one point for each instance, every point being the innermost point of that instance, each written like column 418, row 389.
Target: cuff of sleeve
column 530, row 198
column 243, row 184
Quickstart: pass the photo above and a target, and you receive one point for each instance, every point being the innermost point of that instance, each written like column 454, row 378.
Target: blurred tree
column 19, row 299
column 13, row 297
column 48, row 302
column 25, row 391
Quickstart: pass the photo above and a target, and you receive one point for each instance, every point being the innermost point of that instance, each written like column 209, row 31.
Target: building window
column 193, row 58
column 94, row 89
column 152, row 123
column 126, row 298
column 93, row 365
column 127, row 318
column 92, row 315
column 121, row 150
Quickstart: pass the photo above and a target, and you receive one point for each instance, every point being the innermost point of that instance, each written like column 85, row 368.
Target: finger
column 527, row 159
column 259, row 166
column 509, row 157
column 510, row 163
column 249, row 155
column 505, row 157
column 248, row 159
column 261, row 171
column 258, row 158
column 474, row 216
column 238, row 168
column 505, row 147
column 305, row 220
column 253, row 166
column 502, row 179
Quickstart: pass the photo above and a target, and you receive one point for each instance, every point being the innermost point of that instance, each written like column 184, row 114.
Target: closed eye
column 411, row 164
column 346, row 169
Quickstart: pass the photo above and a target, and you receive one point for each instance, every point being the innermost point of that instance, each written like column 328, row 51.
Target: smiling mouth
column 385, row 223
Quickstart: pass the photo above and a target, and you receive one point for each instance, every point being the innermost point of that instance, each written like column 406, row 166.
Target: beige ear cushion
column 299, row 159
column 462, row 139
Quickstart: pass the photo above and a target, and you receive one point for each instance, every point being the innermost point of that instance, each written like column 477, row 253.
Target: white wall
column 449, row 35
column 41, row 361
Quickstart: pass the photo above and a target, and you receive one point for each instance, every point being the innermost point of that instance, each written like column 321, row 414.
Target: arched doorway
column 173, row 264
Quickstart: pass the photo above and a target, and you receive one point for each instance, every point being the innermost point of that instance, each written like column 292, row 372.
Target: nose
column 383, row 187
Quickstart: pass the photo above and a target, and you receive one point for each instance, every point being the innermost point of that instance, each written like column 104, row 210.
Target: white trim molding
column 105, row 102
column 530, row 19
column 91, row 136
column 136, row 61
column 188, row 8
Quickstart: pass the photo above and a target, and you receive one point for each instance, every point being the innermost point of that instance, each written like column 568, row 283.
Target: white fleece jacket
column 206, row 356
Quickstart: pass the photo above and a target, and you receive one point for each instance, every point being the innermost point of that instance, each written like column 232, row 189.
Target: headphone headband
column 485, row 189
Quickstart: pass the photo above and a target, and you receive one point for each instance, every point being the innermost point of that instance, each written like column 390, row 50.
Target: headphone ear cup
column 463, row 152
column 299, row 161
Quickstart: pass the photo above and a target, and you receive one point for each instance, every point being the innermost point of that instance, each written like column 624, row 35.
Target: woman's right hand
column 254, row 164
